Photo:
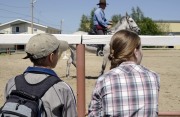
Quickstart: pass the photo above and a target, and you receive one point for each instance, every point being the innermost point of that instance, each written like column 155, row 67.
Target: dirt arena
column 165, row 62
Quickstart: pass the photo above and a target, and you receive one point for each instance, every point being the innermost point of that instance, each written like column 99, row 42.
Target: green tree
column 146, row 24
column 137, row 14
column 115, row 19
column 85, row 23
column 91, row 18
column 148, row 27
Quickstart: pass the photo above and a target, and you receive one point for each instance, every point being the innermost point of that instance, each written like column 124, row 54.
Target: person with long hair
column 128, row 89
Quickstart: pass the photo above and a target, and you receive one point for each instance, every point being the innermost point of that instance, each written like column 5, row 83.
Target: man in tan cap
column 44, row 51
column 101, row 25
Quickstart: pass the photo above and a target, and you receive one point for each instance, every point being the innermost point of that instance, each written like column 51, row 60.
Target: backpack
column 26, row 101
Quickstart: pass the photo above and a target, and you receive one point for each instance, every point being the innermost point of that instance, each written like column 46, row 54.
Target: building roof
column 167, row 21
column 17, row 21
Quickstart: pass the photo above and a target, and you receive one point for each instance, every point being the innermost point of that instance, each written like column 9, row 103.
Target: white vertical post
column 32, row 15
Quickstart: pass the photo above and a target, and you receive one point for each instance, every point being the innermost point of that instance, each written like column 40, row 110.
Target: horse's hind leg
column 69, row 62
column 103, row 68
column 105, row 60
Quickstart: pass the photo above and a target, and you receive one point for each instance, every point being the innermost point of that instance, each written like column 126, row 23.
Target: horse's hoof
column 100, row 53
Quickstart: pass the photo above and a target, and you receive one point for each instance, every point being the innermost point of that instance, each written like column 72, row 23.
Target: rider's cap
column 102, row 2
column 43, row 44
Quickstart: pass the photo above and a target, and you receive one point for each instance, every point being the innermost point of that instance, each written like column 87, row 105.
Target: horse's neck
column 118, row 26
column 121, row 27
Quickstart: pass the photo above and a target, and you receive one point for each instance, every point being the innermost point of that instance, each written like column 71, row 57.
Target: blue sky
column 52, row 12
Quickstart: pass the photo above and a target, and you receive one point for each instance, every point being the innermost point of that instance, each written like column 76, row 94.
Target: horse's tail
column 72, row 48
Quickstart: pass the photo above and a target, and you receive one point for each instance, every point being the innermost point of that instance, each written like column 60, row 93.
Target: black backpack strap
column 38, row 89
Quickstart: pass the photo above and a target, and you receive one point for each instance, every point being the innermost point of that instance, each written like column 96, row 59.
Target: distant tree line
column 146, row 24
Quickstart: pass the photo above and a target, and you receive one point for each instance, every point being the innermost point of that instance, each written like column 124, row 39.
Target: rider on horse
column 101, row 25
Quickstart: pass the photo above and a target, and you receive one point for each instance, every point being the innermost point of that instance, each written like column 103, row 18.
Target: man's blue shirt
column 99, row 18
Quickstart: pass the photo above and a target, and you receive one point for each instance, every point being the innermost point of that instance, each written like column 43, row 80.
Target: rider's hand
column 109, row 26
column 110, row 23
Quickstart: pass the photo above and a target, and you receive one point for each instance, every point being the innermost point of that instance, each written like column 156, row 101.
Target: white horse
column 126, row 22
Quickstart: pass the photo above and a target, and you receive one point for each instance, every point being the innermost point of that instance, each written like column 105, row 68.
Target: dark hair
column 122, row 47
column 41, row 61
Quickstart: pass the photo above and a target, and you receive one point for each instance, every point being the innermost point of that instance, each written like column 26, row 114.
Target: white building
column 20, row 26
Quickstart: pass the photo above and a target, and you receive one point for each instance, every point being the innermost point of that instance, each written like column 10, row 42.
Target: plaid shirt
column 129, row 90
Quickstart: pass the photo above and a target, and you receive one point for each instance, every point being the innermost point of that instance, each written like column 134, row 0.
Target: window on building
column 17, row 29
column 35, row 29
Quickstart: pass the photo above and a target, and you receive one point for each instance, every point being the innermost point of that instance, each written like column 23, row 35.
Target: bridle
column 133, row 28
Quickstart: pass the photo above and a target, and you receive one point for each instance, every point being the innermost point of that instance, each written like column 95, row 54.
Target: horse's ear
column 127, row 14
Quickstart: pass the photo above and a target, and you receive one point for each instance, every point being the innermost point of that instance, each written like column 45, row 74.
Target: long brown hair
column 122, row 47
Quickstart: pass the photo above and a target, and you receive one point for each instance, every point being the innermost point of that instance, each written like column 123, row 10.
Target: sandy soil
column 164, row 62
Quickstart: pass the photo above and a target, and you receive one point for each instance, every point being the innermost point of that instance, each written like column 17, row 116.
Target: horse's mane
column 118, row 24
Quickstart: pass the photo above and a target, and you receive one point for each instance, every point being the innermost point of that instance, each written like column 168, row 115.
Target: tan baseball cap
column 43, row 44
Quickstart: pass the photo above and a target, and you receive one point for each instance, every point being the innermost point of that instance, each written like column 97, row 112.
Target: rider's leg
column 100, row 50
column 99, row 47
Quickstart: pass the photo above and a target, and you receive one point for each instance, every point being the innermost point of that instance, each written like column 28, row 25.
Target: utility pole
column 61, row 26
column 32, row 17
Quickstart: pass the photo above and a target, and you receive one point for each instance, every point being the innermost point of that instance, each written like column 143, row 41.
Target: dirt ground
column 165, row 62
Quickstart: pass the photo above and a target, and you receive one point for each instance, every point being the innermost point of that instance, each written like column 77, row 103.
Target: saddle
column 91, row 32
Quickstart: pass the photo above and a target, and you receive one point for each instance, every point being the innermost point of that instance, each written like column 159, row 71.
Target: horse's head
column 131, row 24
column 126, row 22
